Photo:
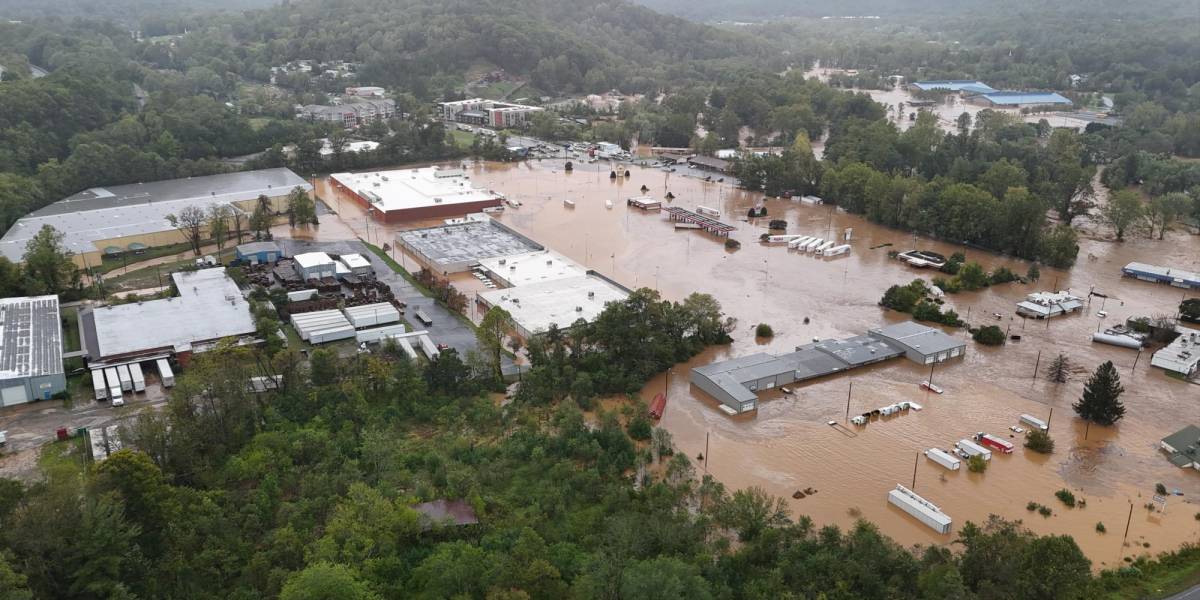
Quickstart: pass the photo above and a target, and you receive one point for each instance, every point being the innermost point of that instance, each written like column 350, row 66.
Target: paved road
column 1191, row 594
column 446, row 328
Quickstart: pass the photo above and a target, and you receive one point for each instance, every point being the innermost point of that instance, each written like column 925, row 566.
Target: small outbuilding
column 259, row 253
column 315, row 265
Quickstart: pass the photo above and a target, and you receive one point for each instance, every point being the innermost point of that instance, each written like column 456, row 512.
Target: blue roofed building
column 1021, row 99
column 968, row 86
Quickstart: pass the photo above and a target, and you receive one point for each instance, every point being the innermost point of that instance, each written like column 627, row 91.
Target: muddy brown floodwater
column 787, row 445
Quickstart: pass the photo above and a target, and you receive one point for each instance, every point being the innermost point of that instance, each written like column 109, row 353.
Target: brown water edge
column 787, row 444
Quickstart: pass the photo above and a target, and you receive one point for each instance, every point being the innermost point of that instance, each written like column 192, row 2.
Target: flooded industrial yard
column 788, row 445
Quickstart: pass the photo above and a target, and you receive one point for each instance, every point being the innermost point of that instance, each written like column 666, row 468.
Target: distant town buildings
column 983, row 94
column 109, row 221
column 489, row 113
column 954, row 85
column 366, row 91
column 351, row 114
column 412, row 194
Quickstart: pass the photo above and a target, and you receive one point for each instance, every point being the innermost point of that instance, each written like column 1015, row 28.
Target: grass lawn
column 463, row 139
column 110, row 264
column 155, row 276
column 1170, row 574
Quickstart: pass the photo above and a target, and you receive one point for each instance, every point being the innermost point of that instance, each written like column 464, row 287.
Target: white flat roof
column 536, row 306
column 414, row 188
column 209, row 306
column 533, row 267
column 355, row 261
column 309, row 260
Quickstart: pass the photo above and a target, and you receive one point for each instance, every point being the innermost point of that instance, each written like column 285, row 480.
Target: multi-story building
column 351, row 114
column 489, row 113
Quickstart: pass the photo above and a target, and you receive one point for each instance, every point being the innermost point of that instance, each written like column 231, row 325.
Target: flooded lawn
column 787, row 445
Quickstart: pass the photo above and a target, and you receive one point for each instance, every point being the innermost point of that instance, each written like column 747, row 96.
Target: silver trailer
column 125, row 378
column 943, row 458
column 920, row 508
column 99, row 387
column 139, row 379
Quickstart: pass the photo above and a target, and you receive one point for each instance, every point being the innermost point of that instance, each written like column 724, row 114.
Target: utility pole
column 848, row 401
column 1135, row 361
column 1036, row 364
column 931, row 366
column 1051, row 416
column 706, row 452
column 916, row 461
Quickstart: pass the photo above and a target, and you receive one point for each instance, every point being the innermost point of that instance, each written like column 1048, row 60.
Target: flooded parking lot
column 787, row 445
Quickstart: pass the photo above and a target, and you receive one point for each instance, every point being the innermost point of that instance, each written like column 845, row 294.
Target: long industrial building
column 31, row 361
column 735, row 382
column 113, row 220
column 209, row 308
column 561, row 301
column 414, row 194
column 1173, row 277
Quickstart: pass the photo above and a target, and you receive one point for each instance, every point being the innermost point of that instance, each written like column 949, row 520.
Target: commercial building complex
column 209, row 308
column 31, row 362
column 454, row 248
column 489, row 113
column 413, row 194
column 1043, row 305
column 735, row 382
column 351, row 114
column 116, row 219
column 531, row 267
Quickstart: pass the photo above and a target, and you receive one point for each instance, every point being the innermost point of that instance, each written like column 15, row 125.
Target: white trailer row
column 319, row 327
column 967, row 449
column 1033, row 421
column 920, row 508
column 836, row 250
column 780, row 239
column 300, row 295
column 404, row 339
column 164, row 373
column 109, row 383
column 370, row 315
column 792, row 245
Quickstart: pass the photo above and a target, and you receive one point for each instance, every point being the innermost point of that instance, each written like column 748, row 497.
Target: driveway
column 446, row 329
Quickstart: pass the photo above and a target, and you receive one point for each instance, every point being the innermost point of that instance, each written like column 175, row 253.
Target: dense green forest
column 308, row 492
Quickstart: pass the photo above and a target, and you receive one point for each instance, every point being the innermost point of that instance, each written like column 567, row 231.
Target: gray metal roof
column 30, row 337
column 256, row 247
column 926, row 340
column 858, row 350
column 809, row 362
column 103, row 213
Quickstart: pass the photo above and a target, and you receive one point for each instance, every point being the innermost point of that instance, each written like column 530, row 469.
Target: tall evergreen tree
column 1101, row 401
column 1059, row 369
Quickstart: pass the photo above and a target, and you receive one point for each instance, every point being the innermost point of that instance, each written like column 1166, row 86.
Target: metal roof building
column 259, row 252
column 1183, row 447
column 31, row 364
column 1042, row 305
column 954, row 85
column 460, row 246
column 209, row 307
column 531, row 267
column 117, row 216
column 1022, row 98
column 734, row 382
column 1175, row 277
column 1182, row 355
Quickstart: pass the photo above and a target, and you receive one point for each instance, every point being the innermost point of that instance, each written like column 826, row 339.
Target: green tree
column 1124, row 208
column 989, row 335
column 326, row 581
column 495, row 325
column 1101, row 400
column 752, row 511
column 1163, row 211
column 301, row 209
column 218, row 223
column 48, row 265
column 1060, row 246
column 190, row 222
column 1059, row 369
column 664, row 578
column 972, row 276
column 260, row 219
column 1039, row 441
column 12, row 584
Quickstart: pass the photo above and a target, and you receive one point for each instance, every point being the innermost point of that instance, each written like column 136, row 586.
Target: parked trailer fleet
column 139, row 379
column 114, row 382
column 836, row 250
column 165, row 373
column 796, row 243
column 824, row 246
column 813, row 243
column 125, row 379
column 998, row 444
column 967, row 449
column 943, row 458
column 920, row 508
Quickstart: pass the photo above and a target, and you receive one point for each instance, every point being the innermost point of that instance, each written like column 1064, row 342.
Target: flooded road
column 787, row 445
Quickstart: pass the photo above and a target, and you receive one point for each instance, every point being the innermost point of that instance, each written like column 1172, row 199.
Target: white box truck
column 967, row 449
column 125, row 378
column 943, row 458
column 164, row 373
column 139, row 379
column 98, row 385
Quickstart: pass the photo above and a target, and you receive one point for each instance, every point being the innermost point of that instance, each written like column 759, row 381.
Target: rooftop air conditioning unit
column 504, row 261
column 578, row 309
column 591, row 294
column 437, row 200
